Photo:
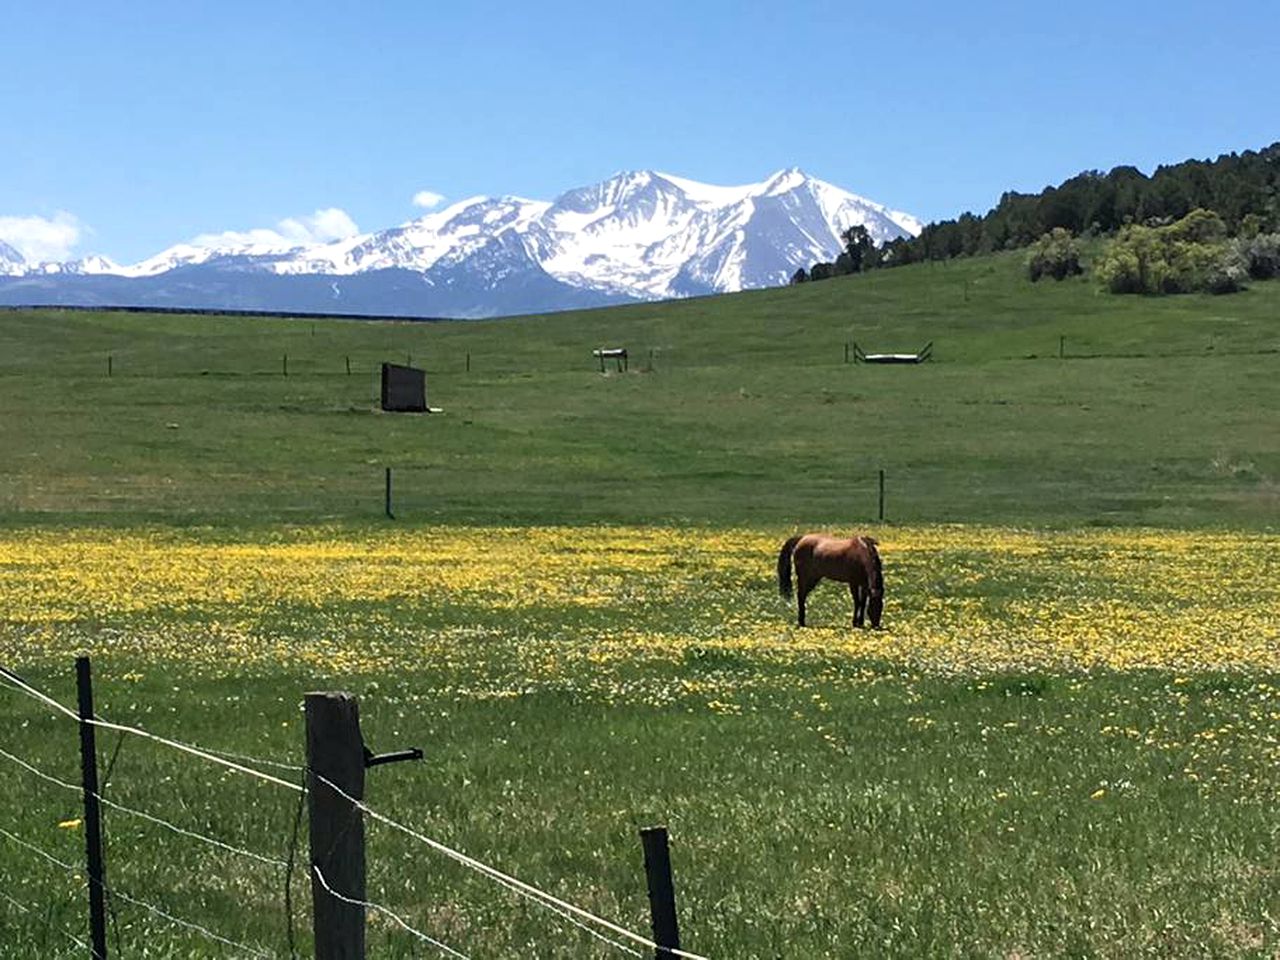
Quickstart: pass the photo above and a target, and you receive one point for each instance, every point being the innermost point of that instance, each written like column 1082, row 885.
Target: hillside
column 1162, row 412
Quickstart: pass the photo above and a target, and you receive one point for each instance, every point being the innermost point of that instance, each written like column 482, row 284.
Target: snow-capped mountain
column 636, row 236
column 12, row 263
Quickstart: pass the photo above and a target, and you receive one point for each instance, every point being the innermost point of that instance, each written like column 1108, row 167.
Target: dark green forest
column 1242, row 189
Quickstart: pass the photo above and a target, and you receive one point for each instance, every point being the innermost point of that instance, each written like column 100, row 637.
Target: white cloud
column 427, row 199
column 323, row 226
column 39, row 239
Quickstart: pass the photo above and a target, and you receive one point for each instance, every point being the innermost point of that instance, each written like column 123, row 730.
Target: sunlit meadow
column 1062, row 743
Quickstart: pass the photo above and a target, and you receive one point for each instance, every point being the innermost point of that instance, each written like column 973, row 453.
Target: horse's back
column 836, row 558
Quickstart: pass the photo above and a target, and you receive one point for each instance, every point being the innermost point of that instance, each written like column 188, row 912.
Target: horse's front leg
column 859, row 596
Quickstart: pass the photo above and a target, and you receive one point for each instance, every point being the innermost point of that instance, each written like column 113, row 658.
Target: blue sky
column 126, row 128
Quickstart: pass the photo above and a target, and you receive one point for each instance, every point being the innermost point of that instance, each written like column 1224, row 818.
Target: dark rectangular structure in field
column 404, row 389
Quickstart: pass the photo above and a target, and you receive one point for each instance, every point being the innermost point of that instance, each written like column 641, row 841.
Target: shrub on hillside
column 1190, row 255
column 1056, row 254
column 1261, row 254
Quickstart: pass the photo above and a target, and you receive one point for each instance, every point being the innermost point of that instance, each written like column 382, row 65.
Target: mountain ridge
column 638, row 235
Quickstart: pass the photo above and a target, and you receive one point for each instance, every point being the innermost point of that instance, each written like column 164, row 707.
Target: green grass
column 1159, row 416
column 851, row 807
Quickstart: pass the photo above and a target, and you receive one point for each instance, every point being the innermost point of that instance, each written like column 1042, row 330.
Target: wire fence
column 615, row 936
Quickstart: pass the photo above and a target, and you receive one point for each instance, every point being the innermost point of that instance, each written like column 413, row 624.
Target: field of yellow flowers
column 1062, row 743
column 960, row 599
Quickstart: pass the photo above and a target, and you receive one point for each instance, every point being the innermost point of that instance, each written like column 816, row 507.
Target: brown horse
column 854, row 561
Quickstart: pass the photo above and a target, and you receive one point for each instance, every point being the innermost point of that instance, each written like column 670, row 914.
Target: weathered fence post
column 387, row 499
column 846, row 351
column 468, row 361
column 662, row 891
column 1062, row 347
column 348, row 366
column 284, row 363
column 881, row 496
column 108, row 364
column 335, row 752
column 92, row 812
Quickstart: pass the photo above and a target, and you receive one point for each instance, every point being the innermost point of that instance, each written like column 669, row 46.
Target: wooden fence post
column 1062, row 347
column 92, row 812
column 348, row 366
column 387, row 499
column 468, row 361
column 108, row 364
column 662, row 891
column 284, row 363
column 335, row 751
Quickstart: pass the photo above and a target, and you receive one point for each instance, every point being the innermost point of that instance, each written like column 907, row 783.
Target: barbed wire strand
column 527, row 890
column 257, row 761
column 31, row 691
column 443, row 947
column 254, row 951
column 69, row 867
column 66, row 933
column 106, row 801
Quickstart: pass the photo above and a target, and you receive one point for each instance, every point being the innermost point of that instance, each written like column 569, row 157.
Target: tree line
column 1243, row 190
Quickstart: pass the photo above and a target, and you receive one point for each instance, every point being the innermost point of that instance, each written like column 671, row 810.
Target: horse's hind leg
column 859, row 596
column 804, row 587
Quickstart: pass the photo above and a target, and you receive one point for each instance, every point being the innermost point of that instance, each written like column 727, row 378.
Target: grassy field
column 749, row 413
column 1063, row 743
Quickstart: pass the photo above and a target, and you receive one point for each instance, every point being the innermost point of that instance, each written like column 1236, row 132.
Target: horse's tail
column 877, row 582
column 784, row 566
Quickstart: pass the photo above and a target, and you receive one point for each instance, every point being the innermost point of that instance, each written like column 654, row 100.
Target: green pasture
column 1161, row 413
column 843, row 806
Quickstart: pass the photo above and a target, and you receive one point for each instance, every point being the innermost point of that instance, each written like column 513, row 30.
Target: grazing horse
column 854, row 561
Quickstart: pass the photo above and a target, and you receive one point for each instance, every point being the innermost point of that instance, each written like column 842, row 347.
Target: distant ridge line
column 219, row 312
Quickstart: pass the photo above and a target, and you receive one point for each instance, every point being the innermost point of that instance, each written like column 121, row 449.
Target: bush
column 1188, row 256
column 1261, row 255
column 1056, row 254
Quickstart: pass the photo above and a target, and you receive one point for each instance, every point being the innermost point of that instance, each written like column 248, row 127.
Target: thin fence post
column 387, row 498
column 348, row 366
column 1062, row 347
column 846, row 351
column 335, row 752
column 284, row 363
column 882, row 496
column 662, row 891
column 468, row 361
column 108, row 364
column 92, row 812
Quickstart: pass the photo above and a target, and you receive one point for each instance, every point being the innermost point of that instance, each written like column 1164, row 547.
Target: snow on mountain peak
column 638, row 234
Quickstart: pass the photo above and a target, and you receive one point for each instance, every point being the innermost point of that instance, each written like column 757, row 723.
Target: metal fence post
column 662, row 891
column 92, row 812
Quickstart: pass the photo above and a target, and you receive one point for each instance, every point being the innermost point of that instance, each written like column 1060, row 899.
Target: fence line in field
column 211, row 841
column 137, row 731
column 568, row 911
column 106, row 801
column 150, row 907
column 526, row 890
